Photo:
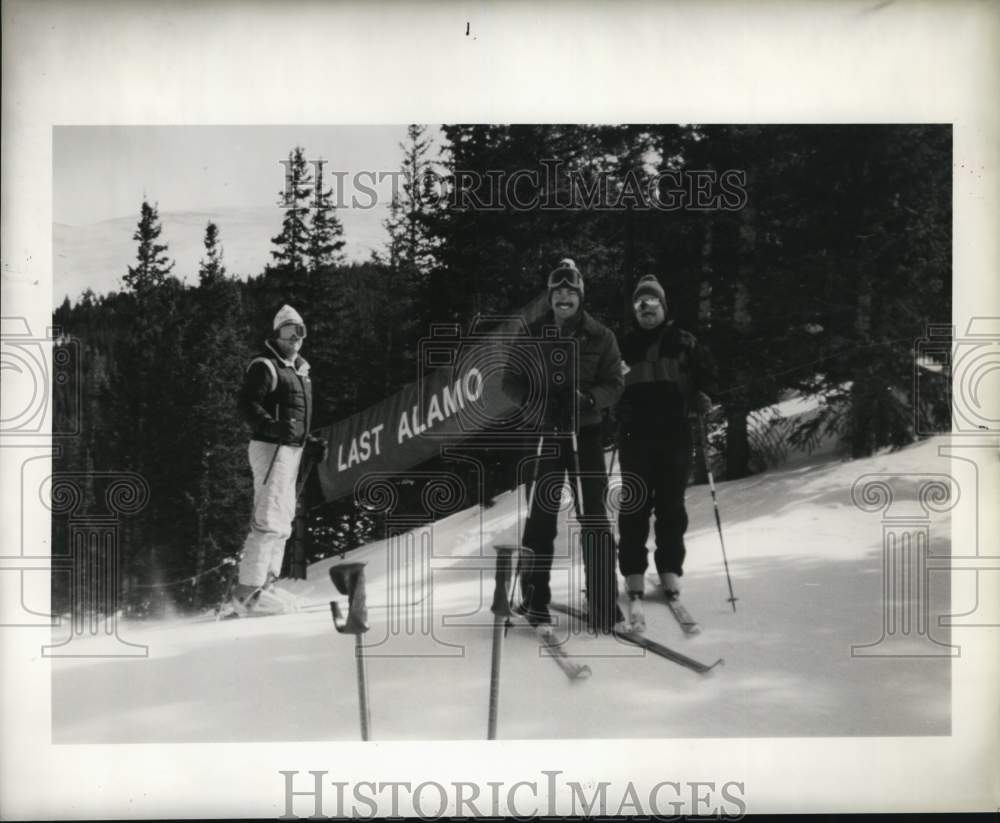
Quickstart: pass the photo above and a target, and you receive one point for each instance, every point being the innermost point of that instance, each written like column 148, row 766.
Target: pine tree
column 326, row 239
column 410, row 255
column 212, row 268
column 492, row 259
column 218, row 487
column 154, row 266
column 410, row 242
column 292, row 245
column 884, row 224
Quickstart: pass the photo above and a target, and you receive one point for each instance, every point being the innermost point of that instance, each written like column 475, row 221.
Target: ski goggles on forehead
column 290, row 330
column 565, row 278
column 644, row 303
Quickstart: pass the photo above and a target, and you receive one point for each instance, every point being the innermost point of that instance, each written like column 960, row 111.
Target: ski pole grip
column 349, row 579
column 501, row 603
column 337, row 615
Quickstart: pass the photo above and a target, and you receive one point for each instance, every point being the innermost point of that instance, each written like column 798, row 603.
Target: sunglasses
column 290, row 330
column 647, row 303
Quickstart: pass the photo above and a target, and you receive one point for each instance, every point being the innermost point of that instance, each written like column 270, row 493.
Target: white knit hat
column 286, row 314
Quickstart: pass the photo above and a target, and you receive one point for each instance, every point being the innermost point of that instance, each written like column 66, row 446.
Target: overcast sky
column 103, row 172
column 231, row 175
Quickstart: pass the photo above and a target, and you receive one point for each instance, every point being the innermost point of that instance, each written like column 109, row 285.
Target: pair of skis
column 644, row 642
column 576, row 671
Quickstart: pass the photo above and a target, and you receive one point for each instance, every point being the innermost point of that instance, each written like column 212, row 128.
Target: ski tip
column 583, row 673
column 711, row 669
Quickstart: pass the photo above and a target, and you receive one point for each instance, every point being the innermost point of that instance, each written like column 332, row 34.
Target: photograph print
column 468, row 432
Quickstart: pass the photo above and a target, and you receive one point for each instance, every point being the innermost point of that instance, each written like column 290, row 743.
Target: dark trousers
column 656, row 473
column 596, row 538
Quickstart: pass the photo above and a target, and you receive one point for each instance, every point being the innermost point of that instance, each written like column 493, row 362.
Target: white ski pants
column 273, row 510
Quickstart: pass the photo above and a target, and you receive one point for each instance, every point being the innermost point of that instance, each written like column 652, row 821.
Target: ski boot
column 291, row 601
column 671, row 585
column 537, row 616
column 636, row 615
column 255, row 601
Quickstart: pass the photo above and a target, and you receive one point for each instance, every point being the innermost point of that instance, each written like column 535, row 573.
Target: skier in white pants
column 276, row 400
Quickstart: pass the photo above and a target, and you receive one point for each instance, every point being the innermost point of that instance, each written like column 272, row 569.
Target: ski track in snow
column 807, row 572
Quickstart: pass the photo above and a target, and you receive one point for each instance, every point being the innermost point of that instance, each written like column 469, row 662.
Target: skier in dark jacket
column 571, row 407
column 667, row 378
column 276, row 400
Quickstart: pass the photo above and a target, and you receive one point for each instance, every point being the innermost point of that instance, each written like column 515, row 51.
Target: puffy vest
column 289, row 397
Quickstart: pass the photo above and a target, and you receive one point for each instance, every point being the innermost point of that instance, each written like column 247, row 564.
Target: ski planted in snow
column 687, row 623
column 574, row 671
column 645, row 643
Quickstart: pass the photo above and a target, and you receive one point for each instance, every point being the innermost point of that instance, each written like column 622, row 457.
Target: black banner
column 459, row 394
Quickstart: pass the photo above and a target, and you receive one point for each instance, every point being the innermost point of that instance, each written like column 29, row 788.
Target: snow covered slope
column 807, row 568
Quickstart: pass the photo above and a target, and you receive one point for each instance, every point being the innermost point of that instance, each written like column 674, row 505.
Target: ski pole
column 715, row 503
column 615, row 531
column 349, row 579
column 597, row 574
column 270, row 466
column 577, row 492
column 578, row 484
column 305, row 469
column 501, row 611
column 274, row 457
column 531, row 502
column 534, row 476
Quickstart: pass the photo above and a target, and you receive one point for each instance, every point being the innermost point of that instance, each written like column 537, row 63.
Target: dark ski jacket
column 274, row 389
column 598, row 374
column 665, row 368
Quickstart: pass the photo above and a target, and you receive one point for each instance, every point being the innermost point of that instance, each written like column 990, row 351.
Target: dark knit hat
column 566, row 275
column 649, row 286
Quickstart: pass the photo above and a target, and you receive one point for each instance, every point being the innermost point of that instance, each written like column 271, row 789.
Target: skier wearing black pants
column 667, row 377
column 596, row 537
column 572, row 426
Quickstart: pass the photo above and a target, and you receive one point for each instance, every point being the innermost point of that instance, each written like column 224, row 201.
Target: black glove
column 316, row 449
column 283, row 431
column 586, row 400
